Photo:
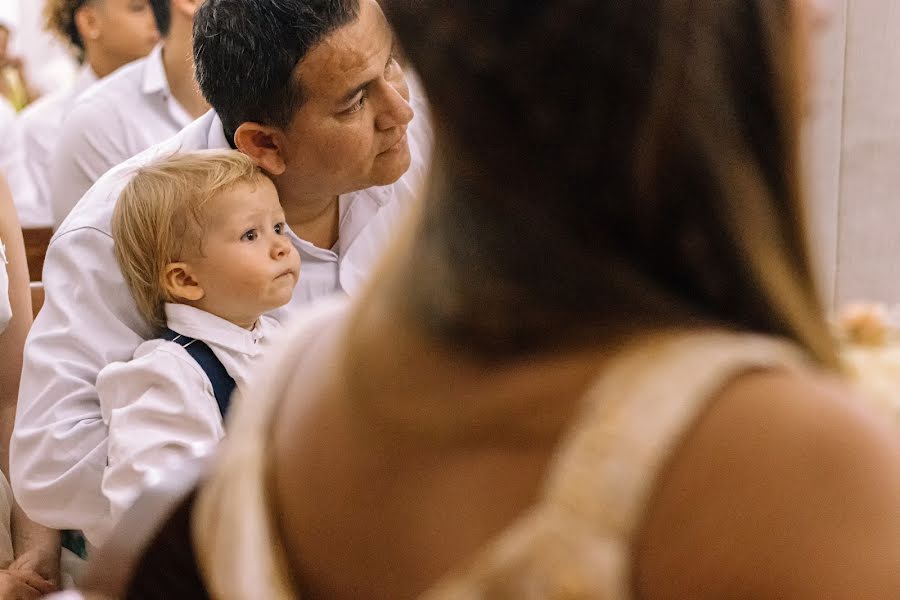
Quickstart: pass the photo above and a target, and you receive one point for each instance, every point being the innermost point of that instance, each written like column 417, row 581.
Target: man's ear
column 180, row 283
column 265, row 145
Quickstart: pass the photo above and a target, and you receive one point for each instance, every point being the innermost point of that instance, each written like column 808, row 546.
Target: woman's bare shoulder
column 786, row 487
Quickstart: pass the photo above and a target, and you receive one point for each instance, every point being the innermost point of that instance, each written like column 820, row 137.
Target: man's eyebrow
column 352, row 94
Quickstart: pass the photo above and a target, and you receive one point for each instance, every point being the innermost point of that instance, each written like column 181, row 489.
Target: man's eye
column 249, row 236
column 357, row 106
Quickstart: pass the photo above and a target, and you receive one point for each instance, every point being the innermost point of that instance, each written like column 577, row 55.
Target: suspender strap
column 222, row 383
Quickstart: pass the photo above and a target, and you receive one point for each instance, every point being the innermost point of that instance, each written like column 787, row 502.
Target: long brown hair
column 608, row 166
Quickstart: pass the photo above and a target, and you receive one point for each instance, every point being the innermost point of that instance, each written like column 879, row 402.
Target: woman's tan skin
column 35, row 569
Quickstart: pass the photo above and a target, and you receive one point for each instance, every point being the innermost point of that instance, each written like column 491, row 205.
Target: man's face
column 350, row 132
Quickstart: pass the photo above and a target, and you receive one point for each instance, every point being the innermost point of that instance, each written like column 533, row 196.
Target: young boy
column 203, row 246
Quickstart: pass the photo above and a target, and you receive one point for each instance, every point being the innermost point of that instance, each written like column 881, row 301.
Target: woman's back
column 565, row 383
column 370, row 499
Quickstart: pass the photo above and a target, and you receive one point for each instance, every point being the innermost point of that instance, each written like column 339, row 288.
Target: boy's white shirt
column 160, row 407
column 89, row 319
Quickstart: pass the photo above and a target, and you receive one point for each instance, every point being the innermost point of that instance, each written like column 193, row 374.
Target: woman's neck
column 404, row 384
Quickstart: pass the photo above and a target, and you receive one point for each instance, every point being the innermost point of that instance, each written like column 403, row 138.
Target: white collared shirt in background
column 160, row 405
column 116, row 119
column 89, row 319
column 40, row 125
column 12, row 167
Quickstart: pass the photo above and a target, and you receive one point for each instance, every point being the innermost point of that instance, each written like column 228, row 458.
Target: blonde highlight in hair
column 161, row 212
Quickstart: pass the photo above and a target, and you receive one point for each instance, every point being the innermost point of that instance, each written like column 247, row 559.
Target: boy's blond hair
column 161, row 211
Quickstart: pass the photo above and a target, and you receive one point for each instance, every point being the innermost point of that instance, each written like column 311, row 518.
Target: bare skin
column 409, row 458
column 36, row 566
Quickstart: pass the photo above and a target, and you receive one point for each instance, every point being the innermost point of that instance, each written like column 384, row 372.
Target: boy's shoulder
column 156, row 358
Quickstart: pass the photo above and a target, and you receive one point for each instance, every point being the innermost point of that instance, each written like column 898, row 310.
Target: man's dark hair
column 162, row 11
column 246, row 52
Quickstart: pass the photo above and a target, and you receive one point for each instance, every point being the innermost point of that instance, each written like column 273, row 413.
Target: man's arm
column 58, row 449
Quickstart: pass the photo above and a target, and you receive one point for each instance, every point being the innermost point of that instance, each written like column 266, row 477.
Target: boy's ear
column 87, row 23
column 180, row 283
column 264, row 144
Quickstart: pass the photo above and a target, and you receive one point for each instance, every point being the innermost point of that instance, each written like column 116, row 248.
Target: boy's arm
column 160, row 408
column 58, row 448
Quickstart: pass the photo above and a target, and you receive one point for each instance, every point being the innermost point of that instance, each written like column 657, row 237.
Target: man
column 102, row 35
column 313, row 93
column 140, row 105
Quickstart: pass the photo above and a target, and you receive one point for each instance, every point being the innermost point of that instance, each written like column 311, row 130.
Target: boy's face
column 124, row 30
column 248, row 265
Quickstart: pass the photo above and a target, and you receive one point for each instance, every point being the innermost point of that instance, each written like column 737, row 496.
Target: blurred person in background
column 102, row 36
column 13, row 81
column 140, row 105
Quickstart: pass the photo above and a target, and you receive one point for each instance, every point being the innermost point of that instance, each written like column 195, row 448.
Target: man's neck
column 178, row 61
column 315, row 220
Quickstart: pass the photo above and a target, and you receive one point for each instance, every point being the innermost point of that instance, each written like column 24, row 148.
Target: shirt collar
column 214, row 330
column 217, row 138
column 155, row 80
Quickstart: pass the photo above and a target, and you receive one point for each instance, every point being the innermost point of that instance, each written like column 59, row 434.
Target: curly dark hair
column 59, row 18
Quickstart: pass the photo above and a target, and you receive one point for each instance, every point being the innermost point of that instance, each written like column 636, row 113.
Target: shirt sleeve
column 158, row 407
column 89, row 319
column 91, row 143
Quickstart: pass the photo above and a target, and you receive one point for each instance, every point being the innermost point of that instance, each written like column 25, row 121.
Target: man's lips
column 396, row 145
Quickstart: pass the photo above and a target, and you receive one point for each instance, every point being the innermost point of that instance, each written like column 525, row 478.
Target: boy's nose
column 281, row 247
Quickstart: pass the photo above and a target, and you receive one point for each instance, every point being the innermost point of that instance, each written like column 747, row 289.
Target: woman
column 29, row 553
column 596, row 367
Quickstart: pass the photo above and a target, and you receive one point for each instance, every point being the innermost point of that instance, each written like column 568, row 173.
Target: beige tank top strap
column 637, row 414
column 576, row 542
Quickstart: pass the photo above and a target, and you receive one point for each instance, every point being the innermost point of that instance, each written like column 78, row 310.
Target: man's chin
column 390, row 173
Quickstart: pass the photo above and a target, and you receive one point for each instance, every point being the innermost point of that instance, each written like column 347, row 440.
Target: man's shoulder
column 116, row 89
column 44, row 108
column 95, row 209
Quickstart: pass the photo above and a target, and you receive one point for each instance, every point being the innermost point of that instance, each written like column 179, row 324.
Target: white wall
column 853, row 142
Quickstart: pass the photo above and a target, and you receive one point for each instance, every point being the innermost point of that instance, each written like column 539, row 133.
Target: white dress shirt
column 40, row 125
column 116, row 119
column 89, row 319
column 160, row 405
column 12, row 167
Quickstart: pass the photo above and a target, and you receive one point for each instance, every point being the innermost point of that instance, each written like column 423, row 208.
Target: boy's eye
column 249, row 236
column 279, row 228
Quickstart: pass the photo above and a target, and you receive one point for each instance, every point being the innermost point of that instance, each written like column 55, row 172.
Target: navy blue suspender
column 222, row 383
